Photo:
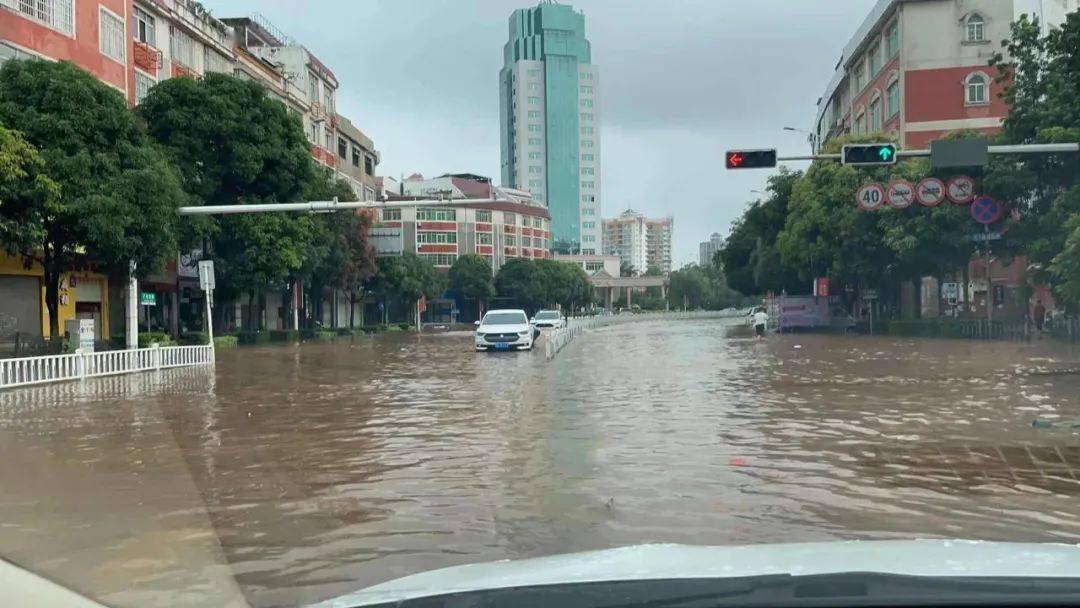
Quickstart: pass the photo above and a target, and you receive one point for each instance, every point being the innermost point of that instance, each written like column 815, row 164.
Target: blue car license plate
column 501, row 346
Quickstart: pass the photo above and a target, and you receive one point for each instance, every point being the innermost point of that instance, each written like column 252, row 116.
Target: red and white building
column 441, row 231
column 918, row 69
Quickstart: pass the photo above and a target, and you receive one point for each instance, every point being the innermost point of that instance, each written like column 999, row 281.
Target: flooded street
column 288, row 475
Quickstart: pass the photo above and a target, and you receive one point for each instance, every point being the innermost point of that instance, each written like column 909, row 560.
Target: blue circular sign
column 985, row 210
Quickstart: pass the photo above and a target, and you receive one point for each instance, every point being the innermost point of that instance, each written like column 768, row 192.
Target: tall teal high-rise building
column 550, row 121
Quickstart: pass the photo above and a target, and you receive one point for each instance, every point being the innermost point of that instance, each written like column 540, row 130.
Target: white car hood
column 643, row 562
column 503, row 329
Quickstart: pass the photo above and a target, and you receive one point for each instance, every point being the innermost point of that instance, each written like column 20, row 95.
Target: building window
column 342, row 148
column 534, row 113
column 483, row 215
column 369, row 165
column 586, row 103
column 483, row 238
column 57, row 14
column 329, row 140
column 313, row 133
column 587, row 157
column 586, row 143
column 355, row 156
column 313, row 87
column 976, row 28
column 510, row 240
column 588, row 225
column 586, row 116
column 535, row 128
column 391, row 215
column 440, row 259
column 535, row 183
column 593, row 266
column 535, row 141
column 534, row 87
column 535, row 169
column 875, row 115
column 587, row 75
column 436, row 215
column 875, row 59
column 588, row 238
column 144, row 27
column 534, row 100
column 859, row 79
column 588, row 184
column 181, row 47
column 860, row 123
column 111, row 39
column 509, row 218
column 215, row 62
column 586, row 130
column 892, row 40
column 586, row 90
column 143, row 84
column 892, row 98
column 535, row 155
column 588, row 211
column 588, row 171
column 976, row 89
column 442, row 238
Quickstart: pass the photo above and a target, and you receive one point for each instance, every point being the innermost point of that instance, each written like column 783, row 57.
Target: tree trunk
column 52, row 300
column 352, row 309
column 253, row 325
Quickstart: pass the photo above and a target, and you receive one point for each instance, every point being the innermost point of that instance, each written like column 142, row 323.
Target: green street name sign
column 147, row 298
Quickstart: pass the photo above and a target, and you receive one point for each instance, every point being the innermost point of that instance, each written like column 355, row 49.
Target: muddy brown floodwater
column 288, row 475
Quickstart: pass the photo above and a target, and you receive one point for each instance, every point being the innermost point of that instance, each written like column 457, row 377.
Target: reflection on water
column 288, row 475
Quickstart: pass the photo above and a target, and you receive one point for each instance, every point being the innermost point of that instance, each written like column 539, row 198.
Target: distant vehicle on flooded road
column 504, row 330
column 549, row 318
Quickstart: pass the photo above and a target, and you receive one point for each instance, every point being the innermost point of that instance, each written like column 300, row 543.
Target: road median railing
column 558, row 339
column 25, row 371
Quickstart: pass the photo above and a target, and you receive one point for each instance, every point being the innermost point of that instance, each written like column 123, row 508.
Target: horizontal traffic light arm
column 1008, row 149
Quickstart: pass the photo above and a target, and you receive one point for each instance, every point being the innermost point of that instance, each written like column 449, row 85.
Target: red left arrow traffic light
column 750, row 159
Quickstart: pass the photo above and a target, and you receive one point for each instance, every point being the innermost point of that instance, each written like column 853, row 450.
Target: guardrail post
column 155, row 355
column 80, row 363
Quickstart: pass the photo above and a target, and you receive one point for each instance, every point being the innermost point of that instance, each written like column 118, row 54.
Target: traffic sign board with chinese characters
column 870, row 196
column 960, row 189
column 930, row 192
column 750, row 159
column 868, row 154
column 986, row 210
column 900, row 194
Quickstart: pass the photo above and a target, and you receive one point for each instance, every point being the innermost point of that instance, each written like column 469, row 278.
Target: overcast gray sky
column 682, row 81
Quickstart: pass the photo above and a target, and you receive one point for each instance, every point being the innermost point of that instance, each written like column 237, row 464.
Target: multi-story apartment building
column 357, row 159
column 707, row 249
column 300, row 67
column 917, row 69
column 550, row 121
column 639, row 241
column 440, row 231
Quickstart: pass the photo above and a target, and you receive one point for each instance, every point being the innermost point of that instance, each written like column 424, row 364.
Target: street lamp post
column 811, row 138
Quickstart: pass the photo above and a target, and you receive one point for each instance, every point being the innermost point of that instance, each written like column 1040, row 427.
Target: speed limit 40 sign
column 870, row 196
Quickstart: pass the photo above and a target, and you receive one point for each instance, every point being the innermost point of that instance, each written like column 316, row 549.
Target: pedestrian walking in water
column 1038, row 314
column 760, row 321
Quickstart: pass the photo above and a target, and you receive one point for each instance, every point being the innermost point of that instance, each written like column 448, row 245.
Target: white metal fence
column 556, row 340
column 55, row 368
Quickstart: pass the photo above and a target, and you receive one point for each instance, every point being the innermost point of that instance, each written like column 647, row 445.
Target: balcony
column 147, row 58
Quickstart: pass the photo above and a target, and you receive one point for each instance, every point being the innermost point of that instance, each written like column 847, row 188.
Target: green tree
column 406, row 278
column 1041, row 80
column 521, row 280
column 471, row 278
column 116, row 196
column 688, row 287
column 750, row 259
column 626, row 269
column 233, row 144
column 26, row 194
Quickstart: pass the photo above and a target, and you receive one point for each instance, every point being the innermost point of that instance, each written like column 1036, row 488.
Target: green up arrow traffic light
column 868, row 154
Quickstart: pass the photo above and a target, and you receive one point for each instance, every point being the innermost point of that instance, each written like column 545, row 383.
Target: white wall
column 932, row 33
column 596, row 232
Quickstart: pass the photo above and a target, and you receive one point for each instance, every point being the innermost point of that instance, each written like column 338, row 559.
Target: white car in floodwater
column 549, row 319
column 504, row 330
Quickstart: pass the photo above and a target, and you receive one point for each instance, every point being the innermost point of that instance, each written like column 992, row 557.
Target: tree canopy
column 470, row 277
column 115, row 196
